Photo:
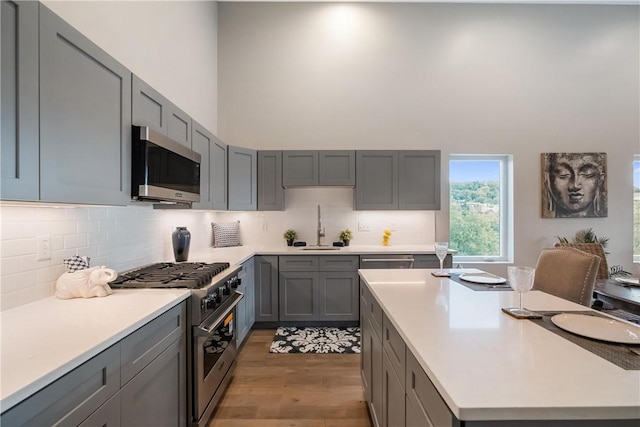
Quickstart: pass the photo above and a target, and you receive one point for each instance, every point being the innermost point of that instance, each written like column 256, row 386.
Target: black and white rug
column 323, row 340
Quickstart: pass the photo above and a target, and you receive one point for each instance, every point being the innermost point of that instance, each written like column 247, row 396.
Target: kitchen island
column 488, row 368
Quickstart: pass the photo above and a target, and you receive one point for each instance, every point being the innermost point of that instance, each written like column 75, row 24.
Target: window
column 480, row 225
column 636, row 208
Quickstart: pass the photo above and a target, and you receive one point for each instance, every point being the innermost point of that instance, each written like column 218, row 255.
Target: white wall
column 172, row 45
column 506, row 79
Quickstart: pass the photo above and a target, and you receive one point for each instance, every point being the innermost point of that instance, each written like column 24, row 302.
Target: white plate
column 599, row 328
column 484, row 278
column 633, row 281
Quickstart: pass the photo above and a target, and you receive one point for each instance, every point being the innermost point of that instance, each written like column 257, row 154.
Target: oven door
column 214, row 354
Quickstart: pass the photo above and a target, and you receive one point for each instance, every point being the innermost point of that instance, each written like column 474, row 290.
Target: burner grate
column 190, row 275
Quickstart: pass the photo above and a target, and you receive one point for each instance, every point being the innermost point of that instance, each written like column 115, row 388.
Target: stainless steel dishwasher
column 386, row 261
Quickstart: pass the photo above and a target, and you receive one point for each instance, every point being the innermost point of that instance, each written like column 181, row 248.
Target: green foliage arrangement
column 586, row 235
column 290, row 235
column 346, row 235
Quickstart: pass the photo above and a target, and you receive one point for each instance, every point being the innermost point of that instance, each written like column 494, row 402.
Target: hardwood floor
column 293, row 390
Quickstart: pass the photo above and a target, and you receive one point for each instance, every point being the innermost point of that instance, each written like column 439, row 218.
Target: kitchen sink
column 320, row 248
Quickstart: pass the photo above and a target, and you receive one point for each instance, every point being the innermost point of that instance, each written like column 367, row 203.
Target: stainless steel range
column 212, row 312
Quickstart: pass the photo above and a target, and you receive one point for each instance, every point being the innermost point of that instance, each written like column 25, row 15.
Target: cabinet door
column 394, row 348
column 419, row 180
column 19, row 137
column 108, row 415
column 218, row 175
column 393, row 411
column 151, row 108
column 266, row 288
column 299, row 168
column 270, row 190
column 431, row 261
column 425, row 406
column 202, row 140
column 85, row 119
column 376, row 380
column 249, row 295
column 84, row 389
column 337, row 168
column 146, row 343
column 366, row 335
column 376, row 180
column 243, row 169
column 157, row 396
column 246, row 304
column 339, row 296
column 299, row 296
column 148, row 106
column 241, row 317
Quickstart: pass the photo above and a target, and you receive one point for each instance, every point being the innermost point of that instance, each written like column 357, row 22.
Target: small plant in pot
column 290, row 236
column 346, row 236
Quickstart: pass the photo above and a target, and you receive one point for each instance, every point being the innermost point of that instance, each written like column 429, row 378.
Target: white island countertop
column 487, row 365
column 44, row 340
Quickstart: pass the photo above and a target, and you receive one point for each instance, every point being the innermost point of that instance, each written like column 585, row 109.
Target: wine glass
column 521, row 281
column 441, row 252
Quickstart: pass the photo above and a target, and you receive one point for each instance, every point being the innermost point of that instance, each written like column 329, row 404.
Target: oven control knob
column 215, row 298
column 234, row 282
column 211, row 301
column 225, row 289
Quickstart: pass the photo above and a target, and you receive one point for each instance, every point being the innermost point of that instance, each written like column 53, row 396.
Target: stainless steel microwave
column 163, row 170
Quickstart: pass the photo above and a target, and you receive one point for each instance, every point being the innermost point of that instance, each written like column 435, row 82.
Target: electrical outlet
column 364, row 226
column 43, row 250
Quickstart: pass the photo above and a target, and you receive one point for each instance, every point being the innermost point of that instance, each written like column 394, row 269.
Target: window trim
column 506, row 208
column 635, row 256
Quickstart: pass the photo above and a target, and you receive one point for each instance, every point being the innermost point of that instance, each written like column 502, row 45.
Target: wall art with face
column 574, row 185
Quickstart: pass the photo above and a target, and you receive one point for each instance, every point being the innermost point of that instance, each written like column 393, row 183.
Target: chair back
column 595, row 249
column 567, row 273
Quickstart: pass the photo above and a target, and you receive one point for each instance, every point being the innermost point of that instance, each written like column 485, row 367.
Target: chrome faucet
column 320, row 228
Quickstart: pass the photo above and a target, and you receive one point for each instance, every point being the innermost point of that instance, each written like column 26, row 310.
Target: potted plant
column 345, row 236
column 290, row 236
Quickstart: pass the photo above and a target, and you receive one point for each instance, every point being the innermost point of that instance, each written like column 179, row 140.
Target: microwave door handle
column 211, row 326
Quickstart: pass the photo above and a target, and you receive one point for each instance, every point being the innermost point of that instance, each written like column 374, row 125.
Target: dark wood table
column 624, row 297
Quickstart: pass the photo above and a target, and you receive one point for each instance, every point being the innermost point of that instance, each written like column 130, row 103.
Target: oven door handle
column 209, row 327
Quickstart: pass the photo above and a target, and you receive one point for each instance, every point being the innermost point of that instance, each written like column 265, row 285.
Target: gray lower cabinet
column 393, row 410
column 157, row 395
column 84, row 389
column 245, row 310
column 85, row 118
column 19, row 138
column 318, row 288
column 397, row 180
column 318, row 168
column 150, row 108
column 270, row 190
column 242, row 172
column 139, row 381
column 266, row 288
column 431, row 261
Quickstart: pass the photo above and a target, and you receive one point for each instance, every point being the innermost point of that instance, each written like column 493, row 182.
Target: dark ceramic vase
column 181, row 239
column 289, row 242
column 346, row 242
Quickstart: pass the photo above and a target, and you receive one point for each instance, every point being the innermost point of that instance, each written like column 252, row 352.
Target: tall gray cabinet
column 213, row 168
column 242, row 172
column 85, row 118
column 19, row 93
column 270, row 190
column 397, row 180
column 218, row 175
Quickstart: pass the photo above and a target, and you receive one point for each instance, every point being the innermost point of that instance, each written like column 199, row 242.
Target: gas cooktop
column 191, row 275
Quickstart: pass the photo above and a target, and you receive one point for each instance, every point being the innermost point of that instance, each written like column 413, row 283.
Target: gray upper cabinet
column 337, row 168
column 218, row 174
column 19, row 93
column 398, row 180
column 150, row 108
column 202, row 140
column 270, row 190
column 243, row 168
column 318, row 168
column 419, row 180
column 376, row 180
column 85, row 119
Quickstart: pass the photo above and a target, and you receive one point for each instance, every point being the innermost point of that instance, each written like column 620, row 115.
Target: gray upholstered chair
column 595, row 249
column 567, row 273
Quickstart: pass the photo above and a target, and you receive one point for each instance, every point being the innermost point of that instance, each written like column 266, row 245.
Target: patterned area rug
column 322, row 340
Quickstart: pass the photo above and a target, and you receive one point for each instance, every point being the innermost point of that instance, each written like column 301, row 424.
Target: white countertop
column 490, row 366
column 44, row 340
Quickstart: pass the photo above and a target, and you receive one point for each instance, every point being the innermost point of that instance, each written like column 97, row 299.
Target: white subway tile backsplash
column 17, row 247
column 63, row 228
column 14, row 282
column 75, row 241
